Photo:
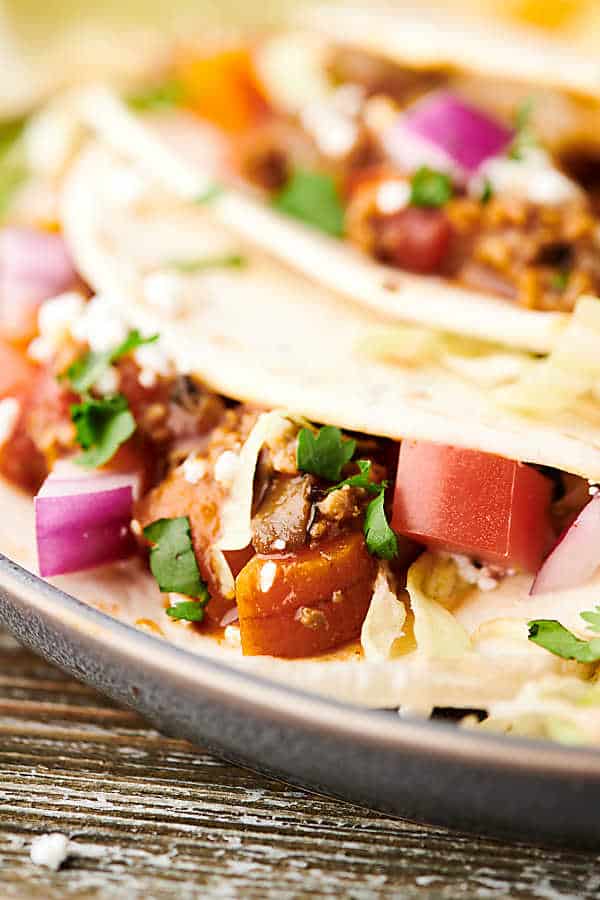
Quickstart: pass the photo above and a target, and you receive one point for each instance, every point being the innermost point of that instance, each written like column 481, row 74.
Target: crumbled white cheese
column 164, row 291
column 56, row 320
column 233, row 636
column 533, row 177
column 153, row 361
column 332, row 122
column 194, row 469
column 108, row 382
column 267, row 576
column 50, row 850
column 484, row 577
column 392, row 196
column 226, row 467
column 101, row 323
column 279, row 544
column 9, row 414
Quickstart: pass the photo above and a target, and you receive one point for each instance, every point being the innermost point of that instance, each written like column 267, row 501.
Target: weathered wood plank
column 159, row 818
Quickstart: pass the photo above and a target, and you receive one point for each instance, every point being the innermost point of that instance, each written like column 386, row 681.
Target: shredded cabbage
column 477, row 361
column 571, row 370
column 384, row 621
column 236, row 514
column 438, row 634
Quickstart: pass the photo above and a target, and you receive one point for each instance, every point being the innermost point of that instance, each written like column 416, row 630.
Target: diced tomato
column 464, row 501
column 415, row 239
column 200, row 502
column 224, row 88
column 306, row 603
column 20, row 461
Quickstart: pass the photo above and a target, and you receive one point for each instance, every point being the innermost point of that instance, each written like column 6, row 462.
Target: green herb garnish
column 173, row 564
column 165, row 95
column 524, row 137
column 554, row 637
column 211, row 193
column 325, row 453
column 187, row 611
column 430, row 188
column 487, row 192
column 225, row 261
column 560, row 280
column 381, row 539
column 362, row 480
column 86, row 370
column 314, row 199
column 101, row 425
column 13, row 170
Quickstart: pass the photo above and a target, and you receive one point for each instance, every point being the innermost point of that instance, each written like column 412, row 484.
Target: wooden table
column 157, row 818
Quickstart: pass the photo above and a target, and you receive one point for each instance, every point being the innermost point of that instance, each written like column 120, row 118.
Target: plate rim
column 264, row 695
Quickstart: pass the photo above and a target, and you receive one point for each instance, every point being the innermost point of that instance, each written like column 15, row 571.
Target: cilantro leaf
column 552, row 636
column 13, row 170
column 430, row 188
column 211, row 193
column 524, row 137
column 362, row 480
column 227, row 260
column 560, row 280
column 173, row 562
column 101, row 427
column 487, row 192
column 381, row 539
column 189, row 611
column 86, row 370
column 592, row 618
column 324, row 454
column 160, row 96
column 314, row 199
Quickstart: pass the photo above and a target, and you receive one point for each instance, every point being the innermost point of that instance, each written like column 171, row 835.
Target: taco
column 226, row 452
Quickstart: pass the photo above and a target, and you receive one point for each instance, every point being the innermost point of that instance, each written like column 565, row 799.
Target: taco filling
column 396, row 514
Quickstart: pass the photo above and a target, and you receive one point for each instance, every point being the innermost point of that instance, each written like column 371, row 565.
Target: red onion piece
column 443, row 132
column 83, row 521
column 231, row 616
column 34, row 266
column 576, row 555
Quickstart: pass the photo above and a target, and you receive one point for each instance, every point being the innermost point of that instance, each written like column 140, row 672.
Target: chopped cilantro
column 380, row 538
column 101, row 427
column 487, row 192
column 552, row 636
column 324, row 454
column 164, row 95
column 592, row 618
column 86, row 370
column 173, row 564
column 13, row 170
column 187, row 611
column 560, row 280
column 430, row 188
column 211, row 193
column 524, row 137
column 313, row 198
column 362, row 480
column 202, row 263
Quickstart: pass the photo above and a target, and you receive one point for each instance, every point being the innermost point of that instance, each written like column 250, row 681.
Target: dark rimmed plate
column 427, row 771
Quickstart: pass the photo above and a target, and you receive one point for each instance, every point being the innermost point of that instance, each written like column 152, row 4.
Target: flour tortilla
column 434, row 40
column 268, row 335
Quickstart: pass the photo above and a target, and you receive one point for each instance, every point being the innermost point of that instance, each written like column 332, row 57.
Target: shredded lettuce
column 384, row 621
column 571, row 370
column 438, row 633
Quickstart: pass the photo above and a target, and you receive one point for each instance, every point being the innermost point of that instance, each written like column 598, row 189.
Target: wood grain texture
column 156, row 818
